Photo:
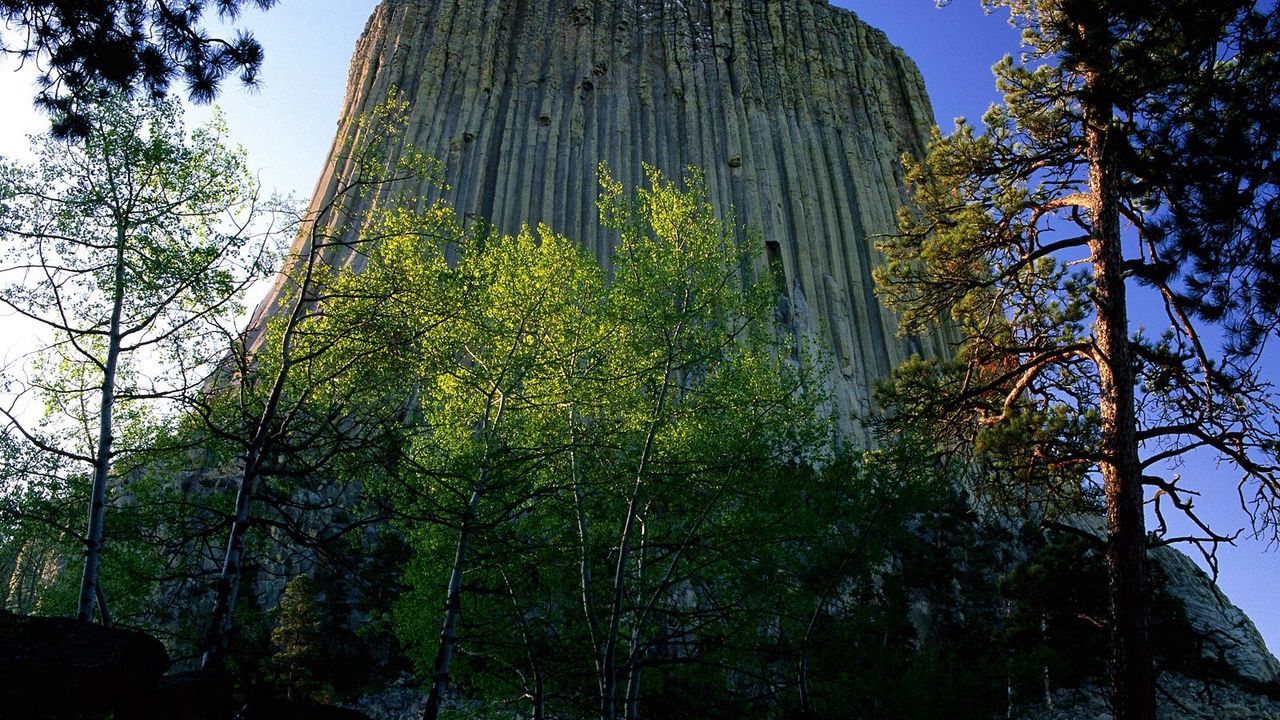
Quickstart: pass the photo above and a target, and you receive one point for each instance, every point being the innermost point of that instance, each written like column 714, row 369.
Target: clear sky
column 288, row 125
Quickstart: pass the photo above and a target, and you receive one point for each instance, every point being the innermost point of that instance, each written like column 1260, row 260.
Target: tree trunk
column 633, row 689
column 1132, row 681
column 452, row 610
column 102, row 459
column 609, row 681
column 538, row 695
column 216, row 644
column 802, row 686
column 104, row 613
column 584, row 548
column 635, row 659
column 1044, row 671
column 228, row 589
column 539, row 698
column 453, row 600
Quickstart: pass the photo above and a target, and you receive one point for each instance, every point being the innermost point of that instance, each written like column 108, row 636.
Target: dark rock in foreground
column 59, row 667
column 63, row 668
column 287, row 710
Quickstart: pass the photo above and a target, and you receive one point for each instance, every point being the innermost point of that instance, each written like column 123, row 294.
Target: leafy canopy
column 138, row 215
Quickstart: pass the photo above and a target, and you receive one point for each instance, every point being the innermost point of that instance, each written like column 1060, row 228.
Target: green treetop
column 572, row 439
column 128, row 249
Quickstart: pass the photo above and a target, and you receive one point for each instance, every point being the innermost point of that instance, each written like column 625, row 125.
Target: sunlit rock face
column 798, row 112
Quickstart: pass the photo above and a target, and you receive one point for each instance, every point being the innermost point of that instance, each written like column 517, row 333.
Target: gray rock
column 798, row 112
column 400, row 699
column 1178, row 698
column 1230, row 639
column 1230, row 636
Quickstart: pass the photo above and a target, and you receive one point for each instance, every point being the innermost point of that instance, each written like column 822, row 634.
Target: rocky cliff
column 798, row 112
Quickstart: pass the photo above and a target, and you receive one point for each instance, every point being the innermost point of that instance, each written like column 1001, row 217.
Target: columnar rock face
column 798, row 112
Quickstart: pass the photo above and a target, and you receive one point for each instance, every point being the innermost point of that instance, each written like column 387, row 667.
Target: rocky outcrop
column 1229, row 643
column 798, row 112
column 1178, row 698
column 59, row 667
column 288, row 710
column 403, row 697
column 1228, row 638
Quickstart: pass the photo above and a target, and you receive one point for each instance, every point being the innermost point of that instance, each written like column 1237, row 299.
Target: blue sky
column 288, row 125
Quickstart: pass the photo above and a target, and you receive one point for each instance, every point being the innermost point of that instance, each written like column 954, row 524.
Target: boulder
column 190, row 696
column 265, row 709
column 59, row 667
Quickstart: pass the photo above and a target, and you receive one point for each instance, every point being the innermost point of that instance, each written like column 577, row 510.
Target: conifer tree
column 298, row 635
column 82, row 46
column 1135, row 153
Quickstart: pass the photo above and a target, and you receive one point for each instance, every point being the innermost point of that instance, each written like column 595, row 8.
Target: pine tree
column 82, row 46
column 1135, row 153
column 298, row 635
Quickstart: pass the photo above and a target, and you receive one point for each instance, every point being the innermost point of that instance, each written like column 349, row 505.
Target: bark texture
column 798, row 112
column 90, row 591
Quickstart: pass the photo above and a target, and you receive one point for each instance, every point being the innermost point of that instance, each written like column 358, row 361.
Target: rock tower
column 797, row 111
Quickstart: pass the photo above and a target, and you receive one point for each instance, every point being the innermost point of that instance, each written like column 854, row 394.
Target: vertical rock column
column 797, row 111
